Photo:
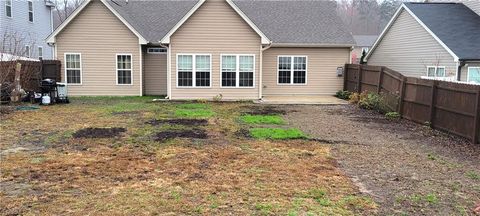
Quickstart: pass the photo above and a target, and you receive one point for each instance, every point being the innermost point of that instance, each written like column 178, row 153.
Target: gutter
column 169, row 71
column 260, row 80
column 311, row 45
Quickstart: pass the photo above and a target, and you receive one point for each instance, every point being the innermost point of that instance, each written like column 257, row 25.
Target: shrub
column 392, row 115
column 370, row 101
column 345, row 95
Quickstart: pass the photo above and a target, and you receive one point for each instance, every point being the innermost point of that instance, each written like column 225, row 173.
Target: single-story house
column 433, row 40
column 362, row 43
column 192, row 49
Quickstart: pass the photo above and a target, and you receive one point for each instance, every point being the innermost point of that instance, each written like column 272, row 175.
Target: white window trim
column 116, row 69
column 29, row 51
column 292, row 69
column 11, row 8
column 194, row 70
column 436, row 68
column 157, row 53
column 65, row 68
column 40, row 56
column 468, row 72
column 33, row 13
column 237, row 71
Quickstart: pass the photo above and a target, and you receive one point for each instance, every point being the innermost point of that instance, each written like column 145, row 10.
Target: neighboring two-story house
column 24, row 25
column 362, row 43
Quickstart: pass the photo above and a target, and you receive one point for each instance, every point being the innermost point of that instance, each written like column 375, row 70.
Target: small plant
column 218, row 98
column 431, row 198
column 427, row 124
column 345, row 95
column 432, row 157
column 354, row 98
column 473, row 175
column 370, row 101
column 392, row 115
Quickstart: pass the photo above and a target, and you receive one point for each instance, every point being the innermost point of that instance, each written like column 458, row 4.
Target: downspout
column 260, row 80
column 460, row 64
column 169, row 73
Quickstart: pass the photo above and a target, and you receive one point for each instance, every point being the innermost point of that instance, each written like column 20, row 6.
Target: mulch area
column 99, row 132
column 398, row 161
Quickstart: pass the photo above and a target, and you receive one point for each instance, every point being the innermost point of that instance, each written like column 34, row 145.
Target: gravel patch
column 406, row 167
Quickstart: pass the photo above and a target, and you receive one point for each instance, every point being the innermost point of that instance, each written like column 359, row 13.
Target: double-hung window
column 73, row 68
column 436, row 71
column 124, row 69
column 238, row 70
column 292, row 70
column 473, row 74
column 8, row 8
column 30, row 11
column 194, row 70
column 27, row 51
column 40, row 52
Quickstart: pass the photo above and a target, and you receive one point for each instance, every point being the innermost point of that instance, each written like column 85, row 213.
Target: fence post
column 359, row 79
column 380, row 79
column 476, row 128
column 403, row 85
column 345, row 78
column 433, row 102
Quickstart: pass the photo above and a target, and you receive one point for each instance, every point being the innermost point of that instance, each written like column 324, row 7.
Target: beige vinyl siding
column 155, row 73
column 474, row 5
column 408, row 48
column 464, row 74
column 215, row 28
column 98, row 35
column 322, row 64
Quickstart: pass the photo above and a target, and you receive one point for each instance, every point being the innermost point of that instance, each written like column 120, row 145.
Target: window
column 30, row 11
column 27, row 51
column 364, row 49
column 292, row 70
column 73, row 68
column 40, row 52
column 436, row 71
column 8, row 8
column 124, row 69
column 238, row 70
column 473, row 74
column 156, row 50
column 193, row 70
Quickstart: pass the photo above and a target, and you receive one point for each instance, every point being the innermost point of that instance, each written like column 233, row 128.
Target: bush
column 370, row 101
column 345, row 95
column 392, row 115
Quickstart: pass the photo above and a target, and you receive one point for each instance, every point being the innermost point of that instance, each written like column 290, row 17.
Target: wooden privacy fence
column 31, row 73
column 448, row 106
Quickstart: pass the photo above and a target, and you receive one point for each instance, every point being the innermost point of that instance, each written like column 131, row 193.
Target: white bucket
column 46, row 100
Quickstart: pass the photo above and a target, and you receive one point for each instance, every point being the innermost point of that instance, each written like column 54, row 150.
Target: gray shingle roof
column 287, row 21
column 153, row 19
column 457, row 26
column 365, row 40
column 297, row 21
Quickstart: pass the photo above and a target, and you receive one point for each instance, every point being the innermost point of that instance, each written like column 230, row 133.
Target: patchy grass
column 54, row 173
column 262, row 119
column 277, row 133
column 473, row 175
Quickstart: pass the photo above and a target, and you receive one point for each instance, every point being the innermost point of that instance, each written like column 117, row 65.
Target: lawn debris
column 195, row 133
column 190, row 122
column 243, row 133
column 99, row 132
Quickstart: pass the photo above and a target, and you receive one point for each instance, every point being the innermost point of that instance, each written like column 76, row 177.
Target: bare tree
column 63, row 9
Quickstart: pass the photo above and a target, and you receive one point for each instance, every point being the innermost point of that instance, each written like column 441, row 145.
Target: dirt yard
column 129, row 156
column 408, row 169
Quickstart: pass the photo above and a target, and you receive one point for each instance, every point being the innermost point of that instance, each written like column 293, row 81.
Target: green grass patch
column 473, row 175
column 193, row 106
column 195, row 113
column 262, row 119
column 277, row 133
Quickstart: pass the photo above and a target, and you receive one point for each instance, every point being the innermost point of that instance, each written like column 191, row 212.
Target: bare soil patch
column 408, row 168
column 188, row 122
column 266, row 110
column 194, row 133
column 99, row 132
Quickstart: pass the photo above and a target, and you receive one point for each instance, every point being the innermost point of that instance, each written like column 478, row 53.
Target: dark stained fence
column 448, row 106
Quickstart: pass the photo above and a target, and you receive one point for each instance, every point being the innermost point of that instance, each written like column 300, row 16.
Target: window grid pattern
column 292, row 70
column 436, row 71
column 124, row 69
column 474, row 74
column 8, row 8
column 40, row 52
column 202, row 70
column 245, row 71
column 30, row 11
column 185, row 70
column 73, row 68
column 229, row 71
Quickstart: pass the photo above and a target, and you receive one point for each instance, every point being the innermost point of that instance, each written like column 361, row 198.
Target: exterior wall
column 155, row 74
column 215, row 28
column 474, row 5
column 322, row 64
column 18, row 26
column 408, row 48
column 98, row 35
